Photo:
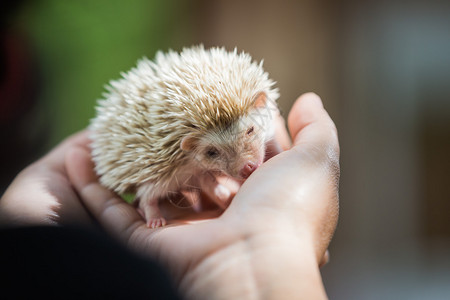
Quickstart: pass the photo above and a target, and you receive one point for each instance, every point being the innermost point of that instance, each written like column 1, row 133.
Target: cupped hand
column 269, row 241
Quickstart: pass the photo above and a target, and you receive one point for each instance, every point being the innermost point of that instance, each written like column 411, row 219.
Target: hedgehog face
column 236, row 150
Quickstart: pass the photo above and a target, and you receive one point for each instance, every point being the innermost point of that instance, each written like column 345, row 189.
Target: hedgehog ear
column 188, row 143
column 260, row 100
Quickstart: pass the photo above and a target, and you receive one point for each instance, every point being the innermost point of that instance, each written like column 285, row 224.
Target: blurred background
column 381, row 67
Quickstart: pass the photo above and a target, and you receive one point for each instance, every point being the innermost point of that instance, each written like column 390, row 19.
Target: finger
column 316, row 144
column 281, row 133
column 281, row 140
column 55, row 158
column 310, row 124
column 114, row 214
column 325, row 259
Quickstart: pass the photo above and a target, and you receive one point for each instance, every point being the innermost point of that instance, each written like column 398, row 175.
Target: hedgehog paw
column 222, row 193
column 217, row 192
column 149, row 211
column 156, row 222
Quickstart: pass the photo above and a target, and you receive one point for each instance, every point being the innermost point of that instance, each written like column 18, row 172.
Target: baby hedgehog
column 181, row 121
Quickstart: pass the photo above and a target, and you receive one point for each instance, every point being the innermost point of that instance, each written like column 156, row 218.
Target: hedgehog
column 182, row 120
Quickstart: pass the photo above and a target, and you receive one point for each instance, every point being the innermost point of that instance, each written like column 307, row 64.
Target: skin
column 285, row 221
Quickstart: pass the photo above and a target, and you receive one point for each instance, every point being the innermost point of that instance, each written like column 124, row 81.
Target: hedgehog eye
column 250, row 130
column 212, row 153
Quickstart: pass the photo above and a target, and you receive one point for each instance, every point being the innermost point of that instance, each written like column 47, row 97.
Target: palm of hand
column 285, row 210
column 264, row 213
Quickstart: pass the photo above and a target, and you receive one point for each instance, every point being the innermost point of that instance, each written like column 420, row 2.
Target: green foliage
column 129, row 197
column 81, row 45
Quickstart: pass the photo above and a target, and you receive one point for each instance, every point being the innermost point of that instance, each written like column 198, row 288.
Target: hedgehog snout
column 248, row 169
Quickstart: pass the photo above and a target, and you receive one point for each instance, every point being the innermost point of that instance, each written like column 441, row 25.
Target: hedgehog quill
column 179, row 121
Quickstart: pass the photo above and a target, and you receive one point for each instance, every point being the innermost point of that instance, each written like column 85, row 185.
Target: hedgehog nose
column 248, row 169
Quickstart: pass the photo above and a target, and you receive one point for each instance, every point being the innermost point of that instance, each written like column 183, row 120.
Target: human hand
column 270, row 239
column 42, row 194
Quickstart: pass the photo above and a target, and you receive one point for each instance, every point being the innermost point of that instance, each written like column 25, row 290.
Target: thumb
column 309, row 123
column 313, row 131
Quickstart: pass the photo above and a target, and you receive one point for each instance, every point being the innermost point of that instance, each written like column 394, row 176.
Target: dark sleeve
column 74, row 263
